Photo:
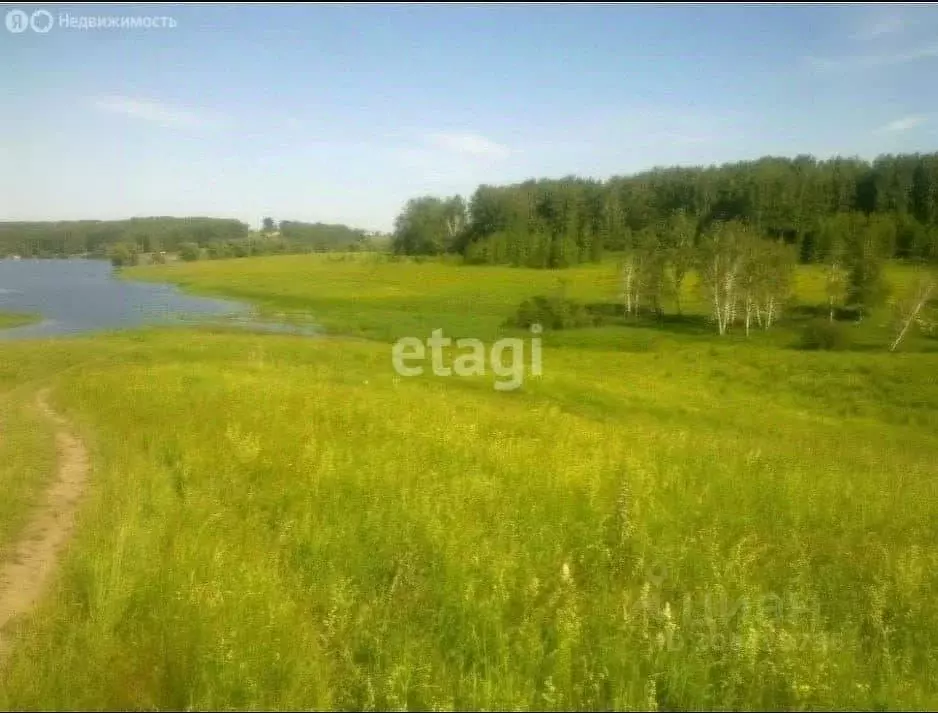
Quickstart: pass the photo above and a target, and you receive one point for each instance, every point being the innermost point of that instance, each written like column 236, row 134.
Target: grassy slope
column 16, row 319
column 279, row 521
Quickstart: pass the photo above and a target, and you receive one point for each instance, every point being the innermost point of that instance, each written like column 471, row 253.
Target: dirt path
column 23, row 579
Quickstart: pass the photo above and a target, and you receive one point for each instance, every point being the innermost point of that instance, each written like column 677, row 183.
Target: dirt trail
column 24, row 578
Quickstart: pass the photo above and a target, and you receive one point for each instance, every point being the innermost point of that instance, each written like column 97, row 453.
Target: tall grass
column 660, row 521
column 26, row 462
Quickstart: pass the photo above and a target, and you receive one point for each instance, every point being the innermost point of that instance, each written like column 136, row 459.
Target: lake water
column 85, row 296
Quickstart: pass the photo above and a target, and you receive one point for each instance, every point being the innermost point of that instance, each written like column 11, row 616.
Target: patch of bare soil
column 26, row 576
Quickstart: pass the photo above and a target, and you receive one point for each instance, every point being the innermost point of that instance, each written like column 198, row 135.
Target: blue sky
column 340, row 113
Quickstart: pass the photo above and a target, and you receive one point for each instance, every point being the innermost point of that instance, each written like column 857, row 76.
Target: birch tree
column 636, row 270
column 719, row 264
column 775, row 286
column 628, row 278
column 656, row 283
column 629, row 272
column 681, row 234
column 835, row 280
column 656, row 280
column 643, row 272
column 751, row 277
column 914, row 309
column 765, row 279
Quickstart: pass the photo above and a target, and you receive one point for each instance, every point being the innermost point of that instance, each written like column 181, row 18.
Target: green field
column 384, row 299
column 16, row 319
column 663, row 520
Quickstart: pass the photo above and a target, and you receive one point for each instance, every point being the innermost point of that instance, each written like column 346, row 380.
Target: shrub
column 219, row 250
column 551, row 313
column 606, row 311
column 821, row 334
column 189, row 252
column 122, row 254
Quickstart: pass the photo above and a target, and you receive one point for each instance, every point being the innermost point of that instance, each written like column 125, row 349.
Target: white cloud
column 904, row 124
column 468, row 145
column 872, row 61
column 154, row 112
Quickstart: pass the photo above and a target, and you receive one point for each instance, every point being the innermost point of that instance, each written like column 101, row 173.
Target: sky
column 340, row 113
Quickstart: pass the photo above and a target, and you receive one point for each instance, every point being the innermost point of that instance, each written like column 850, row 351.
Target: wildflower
column 670, row 627
column 565, row 574
column 624, row 505
column 651, row 695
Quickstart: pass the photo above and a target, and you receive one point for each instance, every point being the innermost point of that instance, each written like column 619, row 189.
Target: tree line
column 323, row 237
column 125, row 240
column 802, row 202
column 94, row 237
column 746, row 281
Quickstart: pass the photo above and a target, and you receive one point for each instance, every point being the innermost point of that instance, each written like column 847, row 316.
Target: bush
column 219, row 250
column 551, row 313
column 821, row 334
column 123, row 254
column 603, row 311
column 190, row 252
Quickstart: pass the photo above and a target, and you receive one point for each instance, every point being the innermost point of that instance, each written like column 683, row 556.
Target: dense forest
column 803, row 202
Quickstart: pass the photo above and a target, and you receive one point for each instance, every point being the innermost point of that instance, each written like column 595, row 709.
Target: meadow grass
column 373, row 296
column 662, row 520
column 26, row 461
column 16, row 319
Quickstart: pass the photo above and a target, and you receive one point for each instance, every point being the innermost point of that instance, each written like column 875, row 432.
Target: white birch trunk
column 920, row 301
column 717, row 308
column 748, row 313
